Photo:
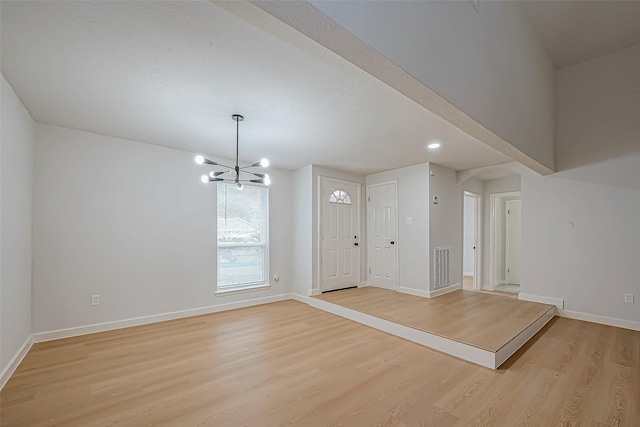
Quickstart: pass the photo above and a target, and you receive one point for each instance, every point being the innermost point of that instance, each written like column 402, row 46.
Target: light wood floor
column 473, row 318
column 289, row 364
column 467, row 283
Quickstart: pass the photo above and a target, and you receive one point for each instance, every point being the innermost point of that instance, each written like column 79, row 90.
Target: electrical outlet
column 95, row 299
column 628, row 298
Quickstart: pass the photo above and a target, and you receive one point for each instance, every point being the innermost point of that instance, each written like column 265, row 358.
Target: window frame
column 233, row 288
column 341, row 200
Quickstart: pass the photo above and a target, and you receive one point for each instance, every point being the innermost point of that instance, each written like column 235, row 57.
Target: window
column 243, row 249
column 340, row 196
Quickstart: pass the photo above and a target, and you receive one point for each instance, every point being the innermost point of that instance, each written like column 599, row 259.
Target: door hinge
column 369, row 270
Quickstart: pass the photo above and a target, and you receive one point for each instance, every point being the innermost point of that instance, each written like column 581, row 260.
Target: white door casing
column 477, row 237
column 381, row 237
column 339, row 234
column 513, row 238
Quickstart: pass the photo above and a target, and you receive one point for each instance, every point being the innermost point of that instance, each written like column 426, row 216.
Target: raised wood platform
column 481, row 328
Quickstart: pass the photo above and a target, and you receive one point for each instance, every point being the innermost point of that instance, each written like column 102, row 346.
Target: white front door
column 382, row 235
column 339, row 234
column 512, row 253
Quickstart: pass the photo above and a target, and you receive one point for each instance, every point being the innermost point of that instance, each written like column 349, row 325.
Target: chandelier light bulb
column 199, row 159
column 204, row 179
column 264, row 163
column 239, row 186
column 267, row 180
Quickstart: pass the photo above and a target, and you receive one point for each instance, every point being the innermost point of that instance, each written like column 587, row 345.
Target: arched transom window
column 340, row 196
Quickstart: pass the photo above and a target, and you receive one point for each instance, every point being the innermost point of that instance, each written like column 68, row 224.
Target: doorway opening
column 505, row 242
column 471, row 250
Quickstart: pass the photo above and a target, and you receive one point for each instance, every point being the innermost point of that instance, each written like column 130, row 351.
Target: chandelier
column 234, row 173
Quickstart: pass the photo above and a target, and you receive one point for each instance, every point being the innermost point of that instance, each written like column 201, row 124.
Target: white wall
column 302, row 241
column 445, row 220
column 133, row 223
column 490, row 64
column 412, row 240
column 598, row 106
column 16, row 194
column 468, row 257
column 580, row 226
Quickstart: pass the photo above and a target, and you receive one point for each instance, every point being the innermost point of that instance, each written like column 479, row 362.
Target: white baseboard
column 414, row 292
column 300, row 298
column 429, row 294
column 15, row 361
column 559, row 303
column 314, row 292
column 445, row 290
column 468, row 274
column 119, row 324
column 363, row 284
column 577, row 315
column 610, row 321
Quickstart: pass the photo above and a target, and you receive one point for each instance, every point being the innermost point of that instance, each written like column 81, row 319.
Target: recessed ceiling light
column 434, row 145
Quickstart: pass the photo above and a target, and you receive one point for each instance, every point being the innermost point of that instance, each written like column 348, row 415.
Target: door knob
column 393, row 243
column 355, row 244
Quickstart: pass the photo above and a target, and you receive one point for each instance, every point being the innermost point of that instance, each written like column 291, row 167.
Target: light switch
column 435, row 200
column 408, row 220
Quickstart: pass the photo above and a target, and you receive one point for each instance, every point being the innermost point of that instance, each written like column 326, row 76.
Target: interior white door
column 513, row 237
column 382, row 235
column 339, row 234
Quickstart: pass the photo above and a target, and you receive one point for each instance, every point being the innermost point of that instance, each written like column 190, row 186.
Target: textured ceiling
column 172, row 73
column 577, row 31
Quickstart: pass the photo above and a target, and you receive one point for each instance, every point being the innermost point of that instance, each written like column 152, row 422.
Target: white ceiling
column 577, row 31
column 172, row 73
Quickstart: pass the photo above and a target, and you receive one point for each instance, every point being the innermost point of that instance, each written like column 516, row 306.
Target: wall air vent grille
column 441, row 263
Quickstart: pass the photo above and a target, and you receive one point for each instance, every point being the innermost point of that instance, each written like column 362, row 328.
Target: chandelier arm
column 255, row 165
column 225, row 166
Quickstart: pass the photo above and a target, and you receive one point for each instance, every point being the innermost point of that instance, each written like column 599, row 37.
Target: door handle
column 355, row 244
column 393, row 243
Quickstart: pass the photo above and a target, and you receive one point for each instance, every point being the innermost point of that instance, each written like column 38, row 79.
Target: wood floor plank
column 289, row 364
column 485, row 321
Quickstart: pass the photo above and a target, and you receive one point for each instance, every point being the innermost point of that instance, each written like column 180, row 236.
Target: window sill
column 261, row 287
